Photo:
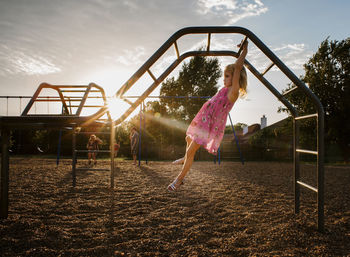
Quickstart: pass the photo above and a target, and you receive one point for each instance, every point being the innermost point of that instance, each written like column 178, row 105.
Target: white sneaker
column 178, row 161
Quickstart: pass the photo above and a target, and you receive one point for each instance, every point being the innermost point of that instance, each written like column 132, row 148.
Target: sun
column 117, row 107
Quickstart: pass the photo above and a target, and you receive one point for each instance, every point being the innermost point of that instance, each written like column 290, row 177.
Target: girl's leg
column 94, row 157
column 89, row 157
column 181, row 160
column 189, row 156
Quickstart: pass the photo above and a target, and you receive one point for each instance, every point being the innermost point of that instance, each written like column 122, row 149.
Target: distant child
column 116, row 149
column 134, row 142
column 92, row 145
column 207, row 127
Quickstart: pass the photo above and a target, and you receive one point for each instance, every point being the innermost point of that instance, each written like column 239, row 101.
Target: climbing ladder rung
column 127, row 101
column 267, row 69
column 289, row 91
column 306, row 151
column 208, row 46
column 151, row 74
column 307, row 186
column 241, row 48
column 176, row 50
column 306, row 116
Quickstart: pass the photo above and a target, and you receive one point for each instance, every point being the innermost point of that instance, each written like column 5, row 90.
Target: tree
column 198, row 77
column 327, row 74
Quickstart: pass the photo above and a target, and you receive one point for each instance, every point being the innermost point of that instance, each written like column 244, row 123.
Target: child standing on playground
column 134, row 142
column 92, row 145
column 207, row 127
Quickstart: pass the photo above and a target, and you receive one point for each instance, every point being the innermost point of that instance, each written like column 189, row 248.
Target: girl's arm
column 234, row 89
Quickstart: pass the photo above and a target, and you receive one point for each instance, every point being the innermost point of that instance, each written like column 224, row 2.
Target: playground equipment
column 73, row 121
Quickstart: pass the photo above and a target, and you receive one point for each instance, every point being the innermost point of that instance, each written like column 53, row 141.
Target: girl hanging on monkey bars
column 207, row 127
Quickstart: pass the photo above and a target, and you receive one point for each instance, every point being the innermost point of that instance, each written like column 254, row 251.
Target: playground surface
column 221, row 210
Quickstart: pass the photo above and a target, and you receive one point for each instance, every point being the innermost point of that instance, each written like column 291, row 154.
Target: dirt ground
column 221, row 210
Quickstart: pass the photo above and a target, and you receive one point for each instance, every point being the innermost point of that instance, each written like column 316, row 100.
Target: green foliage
column 327, row 74
column 198, row 77
column 263, row 138
column 237, row 127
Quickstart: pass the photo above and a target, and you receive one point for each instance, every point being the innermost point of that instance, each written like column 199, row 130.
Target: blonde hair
column 243, row 81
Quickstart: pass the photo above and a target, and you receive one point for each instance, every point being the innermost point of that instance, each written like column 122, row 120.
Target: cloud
column 132, row 57
column 18, row 61
column 294, row 56
column 231, row 10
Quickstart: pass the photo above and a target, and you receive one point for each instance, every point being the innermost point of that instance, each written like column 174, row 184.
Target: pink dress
column 207, row 128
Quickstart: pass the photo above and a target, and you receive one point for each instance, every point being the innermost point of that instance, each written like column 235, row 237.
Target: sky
column 76, row 42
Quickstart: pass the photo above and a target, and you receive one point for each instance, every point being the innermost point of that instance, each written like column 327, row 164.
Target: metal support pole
column 144, row 129
column 236, row 140
column 140, row 132
column 59, row 147
column 112, row 141
column 296, row 163
column 74, row 157
column 4, row 197
column 320, row 170
column 219, row 159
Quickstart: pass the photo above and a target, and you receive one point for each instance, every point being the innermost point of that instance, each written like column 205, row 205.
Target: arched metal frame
column 49, row 121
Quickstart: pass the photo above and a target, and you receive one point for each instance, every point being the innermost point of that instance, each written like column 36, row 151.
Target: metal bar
column 241, row 47
column 176, row 50
column 112, row 141
column 59, row 147
column 289, row 91
column 32, row 100
column 144, row 129
column 151, row 74
column 267, row 69
column 82, row 103
column 140, row 134
column 4, row 197
column 128, row 101
column 320, row 171
column 208, row 46
column 296, row 162
column 307, row 186
column 306, row 151
column 237, row 144
column 74, row 158
column 306, row 116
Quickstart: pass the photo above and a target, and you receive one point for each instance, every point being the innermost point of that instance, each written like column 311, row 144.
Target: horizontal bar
column 267, row 69
column 306, row 116
column 307, row 186
column 306, row 151
column 289, row 91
